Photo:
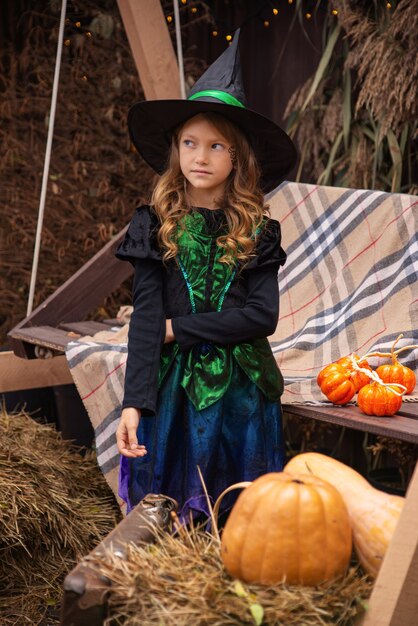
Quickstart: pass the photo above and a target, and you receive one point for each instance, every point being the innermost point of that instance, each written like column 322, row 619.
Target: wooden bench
column 403, row 426
column 59, row 320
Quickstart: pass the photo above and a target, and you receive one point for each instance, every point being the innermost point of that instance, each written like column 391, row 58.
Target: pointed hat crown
column 222, row 81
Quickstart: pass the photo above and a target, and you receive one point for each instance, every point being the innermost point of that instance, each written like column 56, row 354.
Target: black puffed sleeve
column 268, row 254
column 147, row 325
column 140, row 241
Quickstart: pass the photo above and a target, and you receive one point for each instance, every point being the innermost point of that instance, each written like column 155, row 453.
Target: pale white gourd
column 373, row 513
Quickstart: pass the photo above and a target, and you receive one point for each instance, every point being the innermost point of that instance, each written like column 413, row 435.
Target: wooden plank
column 46, row 336
column 151, row 46
column 17, row 373
column 88, row 327
column 79, row 295
column 403, row 426
column 394, row 600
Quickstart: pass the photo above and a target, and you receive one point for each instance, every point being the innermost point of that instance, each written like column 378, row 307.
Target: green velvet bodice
column 208, row 367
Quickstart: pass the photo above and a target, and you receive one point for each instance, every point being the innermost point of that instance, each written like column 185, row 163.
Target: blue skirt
column 238, row 438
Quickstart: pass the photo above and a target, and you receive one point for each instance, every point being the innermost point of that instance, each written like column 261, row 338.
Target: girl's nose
column 201, row 157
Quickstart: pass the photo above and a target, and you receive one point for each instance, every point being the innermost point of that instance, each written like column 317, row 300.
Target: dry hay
column 359, row 129
column 95, row 179
column 384, row 55
column 55, row 506
column 180, row 580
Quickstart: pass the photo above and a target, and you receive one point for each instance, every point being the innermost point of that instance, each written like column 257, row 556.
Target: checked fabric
column 349, row 285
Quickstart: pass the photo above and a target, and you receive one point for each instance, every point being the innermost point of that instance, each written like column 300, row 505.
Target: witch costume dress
column 210, row 399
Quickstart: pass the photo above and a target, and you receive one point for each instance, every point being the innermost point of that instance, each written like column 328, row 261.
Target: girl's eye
column 217, row 146
column 187, row 142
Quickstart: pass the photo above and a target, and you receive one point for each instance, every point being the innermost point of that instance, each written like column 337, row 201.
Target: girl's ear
column 233, row 154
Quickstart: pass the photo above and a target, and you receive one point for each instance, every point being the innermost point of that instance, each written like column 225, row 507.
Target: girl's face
column 204, row 159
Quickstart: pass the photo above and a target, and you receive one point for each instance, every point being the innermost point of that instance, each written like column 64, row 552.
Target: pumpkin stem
column 393, row 353
column 370, row 354
column 392, row 350
column 406, row 348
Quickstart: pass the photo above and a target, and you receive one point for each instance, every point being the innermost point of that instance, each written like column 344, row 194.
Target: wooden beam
column 151, row 46
column 394, row 600
column 17, row 373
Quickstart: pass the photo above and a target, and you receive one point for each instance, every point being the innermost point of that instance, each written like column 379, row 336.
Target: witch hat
column 219, row 89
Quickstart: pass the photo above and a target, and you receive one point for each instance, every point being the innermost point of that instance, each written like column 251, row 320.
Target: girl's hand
column 126, row 438
column 169, row 335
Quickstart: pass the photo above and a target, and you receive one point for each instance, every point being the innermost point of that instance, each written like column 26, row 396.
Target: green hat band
column 219, row 95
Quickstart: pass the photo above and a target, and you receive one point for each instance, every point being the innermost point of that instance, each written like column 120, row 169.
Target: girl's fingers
column 133, row 454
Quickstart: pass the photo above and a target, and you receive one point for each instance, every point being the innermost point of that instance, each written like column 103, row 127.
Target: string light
column 266, row 23
column 88, row 34
column 308, row 16
column 184, row 1
column 215, row 33
column 388, row 5
column 67, row 42
column 169, row 18
column 84, row 77
column 228, row 37
column 334, row 11
column 78, row 24
column 290, row 1
column 275, row 11
column 194, row 9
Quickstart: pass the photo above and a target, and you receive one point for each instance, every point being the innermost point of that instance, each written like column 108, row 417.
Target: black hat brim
column 151, row 124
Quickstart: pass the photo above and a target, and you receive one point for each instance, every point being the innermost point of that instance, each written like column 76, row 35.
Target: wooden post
column 394, row 600
column 151, row 47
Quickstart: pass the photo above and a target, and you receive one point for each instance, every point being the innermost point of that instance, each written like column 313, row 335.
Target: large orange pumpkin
column 376, row 399
column 373, row 513
column 335, row 382
column 359, row 379
column 284, row 528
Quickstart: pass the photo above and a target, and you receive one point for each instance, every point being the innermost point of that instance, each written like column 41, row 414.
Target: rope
column 47, row 160
column 179, row 48
column 375, row 376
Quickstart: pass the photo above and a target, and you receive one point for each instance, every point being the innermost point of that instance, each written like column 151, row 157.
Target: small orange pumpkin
column 287, row 528
column 395, row 372
column 335, row 382
column 359, row 379
column 376, row 399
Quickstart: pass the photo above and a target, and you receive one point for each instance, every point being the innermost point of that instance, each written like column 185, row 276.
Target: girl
column 202, row 387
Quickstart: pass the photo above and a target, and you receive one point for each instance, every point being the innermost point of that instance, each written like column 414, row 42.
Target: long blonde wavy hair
column 243, row 199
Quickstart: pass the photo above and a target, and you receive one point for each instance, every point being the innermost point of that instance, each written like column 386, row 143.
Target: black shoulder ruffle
column 269, row 253
column 140, row 241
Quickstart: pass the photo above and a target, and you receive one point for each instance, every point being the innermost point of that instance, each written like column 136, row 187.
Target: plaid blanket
column 349, row 284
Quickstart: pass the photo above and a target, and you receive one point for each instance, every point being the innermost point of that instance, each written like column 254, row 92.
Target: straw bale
column 180, row 580
column 55, row 506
